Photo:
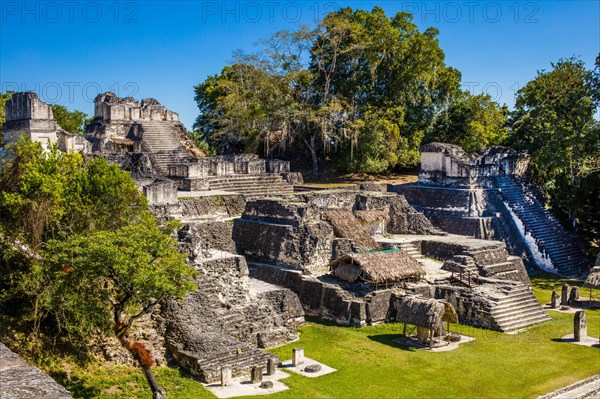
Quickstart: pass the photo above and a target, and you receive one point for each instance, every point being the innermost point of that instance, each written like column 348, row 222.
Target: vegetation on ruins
column 4, row 97
column 554, row 122
column 498, row 365
column 82, row 255
column 361, row 87
column 71, row 121
column 366, row 91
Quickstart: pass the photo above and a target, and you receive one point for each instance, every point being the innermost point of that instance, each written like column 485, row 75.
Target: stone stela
column 297, row 356
column 226, row 379
column 580, row 326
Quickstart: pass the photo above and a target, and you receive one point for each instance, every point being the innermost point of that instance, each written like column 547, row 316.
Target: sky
column 69, row 51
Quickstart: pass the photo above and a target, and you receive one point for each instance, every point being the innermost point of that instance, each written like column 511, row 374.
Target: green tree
column 4, row 97
column 81, row 252
column 554, row 121
column 320, row 90
column 471, row 122
column 71, row 121
column 106, row 280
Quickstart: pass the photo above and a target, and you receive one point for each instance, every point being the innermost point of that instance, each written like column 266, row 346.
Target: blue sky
column 68, row 51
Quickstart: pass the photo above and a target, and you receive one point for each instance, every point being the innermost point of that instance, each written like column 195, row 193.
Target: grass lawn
column 369, row 365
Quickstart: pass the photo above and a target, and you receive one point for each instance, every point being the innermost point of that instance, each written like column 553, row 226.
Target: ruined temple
column 27, row 116
column 454, row 244
column 486, row 195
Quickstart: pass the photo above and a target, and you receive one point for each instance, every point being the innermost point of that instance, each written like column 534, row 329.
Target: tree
column 554, row 121
column 4, row 97
column 471, row 122
column 71, row 121
column 105, row 281
column 364, row 60
column 81, row 252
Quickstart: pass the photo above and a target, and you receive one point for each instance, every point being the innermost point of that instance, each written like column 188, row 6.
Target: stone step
column 519, row 315
column 525, row 322
column 503, row 309
column 499, row 267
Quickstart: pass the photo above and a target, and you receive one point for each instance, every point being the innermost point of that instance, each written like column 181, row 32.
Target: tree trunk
column 313, row 155
column 158, row 392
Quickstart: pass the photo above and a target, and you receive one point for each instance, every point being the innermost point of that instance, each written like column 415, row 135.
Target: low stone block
column 313, row 368
column 266, row 384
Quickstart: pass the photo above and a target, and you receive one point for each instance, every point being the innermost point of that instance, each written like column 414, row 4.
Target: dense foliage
column 81, row 253
column 71, row 121
column 361, row 86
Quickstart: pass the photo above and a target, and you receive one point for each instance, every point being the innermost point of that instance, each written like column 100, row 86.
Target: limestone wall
column 448, row 165
column 326, row 300
column 27, row 115
column 109, row 107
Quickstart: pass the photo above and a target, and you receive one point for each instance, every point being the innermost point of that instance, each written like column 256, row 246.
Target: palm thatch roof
column 345, row 225
column 371, row 216
column 376, row 267
column 593, row 280
column 423, row 312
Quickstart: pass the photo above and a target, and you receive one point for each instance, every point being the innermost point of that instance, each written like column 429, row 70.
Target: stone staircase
column 550, row 237
column 251, row 185
column 411, row 249
column 494, row 261
column 518, row 309
column 161, row 140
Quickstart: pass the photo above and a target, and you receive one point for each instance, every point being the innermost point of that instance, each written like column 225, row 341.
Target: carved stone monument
column 555, row 300
column 226, row 379
column 297, row 356
column 256, row 375
column 272, row 366
column 580, row 326
column 574, row 295
column 564, row 295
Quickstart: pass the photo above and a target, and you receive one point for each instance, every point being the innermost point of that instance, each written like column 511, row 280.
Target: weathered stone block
column 564, row 295
column 574, row 295
column 256, row 375
column 297, row 356
column 272, row 366
column 554, row 300
column 580, row 326
column 226, row 379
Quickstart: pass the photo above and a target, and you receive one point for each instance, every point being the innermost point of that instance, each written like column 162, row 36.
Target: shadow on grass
column 79, row 389
column 549, row 281
column 386, row 339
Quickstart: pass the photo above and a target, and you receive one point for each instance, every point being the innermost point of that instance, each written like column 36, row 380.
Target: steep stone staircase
column 251, row 185
column 162, row 141
column 550, row 237
column 517, row 309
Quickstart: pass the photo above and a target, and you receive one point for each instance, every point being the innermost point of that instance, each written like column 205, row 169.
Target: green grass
column 369, row 365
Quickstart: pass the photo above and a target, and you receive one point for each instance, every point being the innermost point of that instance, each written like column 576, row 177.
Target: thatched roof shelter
column 345, row 225
column 377, row 267
column 423, row 312
column 593, row 280
column 371, row 216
